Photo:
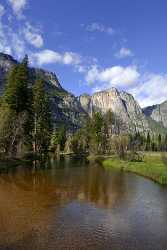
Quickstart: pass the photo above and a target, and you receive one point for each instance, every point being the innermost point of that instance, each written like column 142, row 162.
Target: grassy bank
column 9, row 163
column 152, row 167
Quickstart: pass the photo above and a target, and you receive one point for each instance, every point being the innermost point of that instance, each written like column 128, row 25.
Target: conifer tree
column 16, row 94
column 42, row 118
column 148, row 142
column 159, row 142
column 16, row 104
column 96, row 135
column 165, row 143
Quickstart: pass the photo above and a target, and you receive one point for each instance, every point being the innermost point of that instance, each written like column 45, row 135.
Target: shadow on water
column 67, row 203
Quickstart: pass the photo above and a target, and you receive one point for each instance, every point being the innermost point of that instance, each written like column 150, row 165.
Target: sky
column 92, row 45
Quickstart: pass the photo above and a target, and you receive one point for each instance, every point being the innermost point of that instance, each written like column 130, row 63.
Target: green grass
column 152, row 167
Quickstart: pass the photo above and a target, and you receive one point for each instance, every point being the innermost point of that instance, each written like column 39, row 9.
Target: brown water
column 73, row 205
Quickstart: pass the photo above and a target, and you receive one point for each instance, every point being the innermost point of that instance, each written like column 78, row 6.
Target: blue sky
column 92, row 45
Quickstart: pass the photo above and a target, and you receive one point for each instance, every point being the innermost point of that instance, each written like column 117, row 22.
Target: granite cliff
column 65, row 106
column 122, row 104
column 73, row 111
column 158, row 113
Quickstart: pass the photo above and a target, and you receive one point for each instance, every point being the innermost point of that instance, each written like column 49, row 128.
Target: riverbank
column 9, row 163
column 154, row 166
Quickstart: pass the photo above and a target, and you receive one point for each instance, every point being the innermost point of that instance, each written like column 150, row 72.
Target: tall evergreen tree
column 17, row 93
column 42, row 118
column 59, row 138
column 16, row 103
column 96, row 133
column 159, row 142
column 148, row 142
column 165, row 143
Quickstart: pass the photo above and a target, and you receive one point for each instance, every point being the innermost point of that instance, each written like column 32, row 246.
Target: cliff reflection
column 29, row 197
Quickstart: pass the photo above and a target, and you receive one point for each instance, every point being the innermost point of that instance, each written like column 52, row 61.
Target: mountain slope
column 72, row 111
column 158, row 113
column 65, row 107
column 123, row 105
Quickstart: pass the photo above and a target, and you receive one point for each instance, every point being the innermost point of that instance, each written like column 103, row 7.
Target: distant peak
column 85, row 95
column 110, row 90
column 113, row 89
column 3, row 55
column 6, row 57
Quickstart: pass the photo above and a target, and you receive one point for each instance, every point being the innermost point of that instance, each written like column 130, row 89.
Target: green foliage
column 120, row 145
column 17, row 93
column 156, row 126
column 136, row 141
column 95, row 136
column 59, row 93
column 42, row 118
column 15, row 128
column 109, row 117
column 153, row 166
column 7, row 128
column 165, row 143
column 25, row 118
column 79, row 143
column 59, row 138
column 148, row 142
column 159, row 142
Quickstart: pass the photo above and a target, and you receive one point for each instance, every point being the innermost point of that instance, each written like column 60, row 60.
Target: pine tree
column 59, row 138
column 165, row 143
column 42, row 118
column 96, row 135
column 159, row 142
column 148, row 142
column 16, row 103
column 17, row 93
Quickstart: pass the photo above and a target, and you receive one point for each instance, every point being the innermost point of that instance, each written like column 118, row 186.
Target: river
column 70, row 204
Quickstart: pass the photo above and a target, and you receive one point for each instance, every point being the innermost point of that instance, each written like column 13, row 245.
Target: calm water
column 73, row 205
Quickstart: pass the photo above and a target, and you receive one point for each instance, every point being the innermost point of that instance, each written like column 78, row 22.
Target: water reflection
column 70, row 204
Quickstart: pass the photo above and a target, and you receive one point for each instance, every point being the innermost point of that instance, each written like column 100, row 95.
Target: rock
column 158, row 113
column 73, row 111
column 122, row 104
column 66, row 109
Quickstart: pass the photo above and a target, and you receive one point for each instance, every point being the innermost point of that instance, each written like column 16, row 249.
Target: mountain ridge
column 65, row 107
column 157, row 112
column 122, row 104
column 73, row 111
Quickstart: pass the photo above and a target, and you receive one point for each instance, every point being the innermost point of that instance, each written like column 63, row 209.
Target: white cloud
column 4, row 45
column 71, row 58
column 124, row 52
column 46, row 57
column 147, row 89
column 50, row 56
column 100, row 28
column 18, row 45
column 152, row 90
column 33, row 36
column 11, row 42
column 18, row 6
column 113, row 76
column 2, row 10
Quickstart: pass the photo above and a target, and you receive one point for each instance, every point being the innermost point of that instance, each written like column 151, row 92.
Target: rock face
column 122, row 104
column 65, row 107
column 158, row 113
column 72, row 111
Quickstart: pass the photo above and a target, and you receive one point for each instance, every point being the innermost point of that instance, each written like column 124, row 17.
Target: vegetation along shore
column 153, row 166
